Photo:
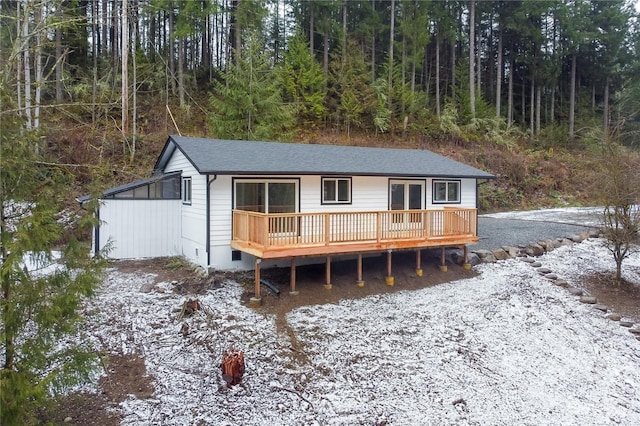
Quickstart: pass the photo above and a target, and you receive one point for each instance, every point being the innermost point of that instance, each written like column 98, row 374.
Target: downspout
column 96, row 234
column 208, row 218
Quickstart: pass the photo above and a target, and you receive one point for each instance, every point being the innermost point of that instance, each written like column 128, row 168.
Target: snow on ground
column 506, row 347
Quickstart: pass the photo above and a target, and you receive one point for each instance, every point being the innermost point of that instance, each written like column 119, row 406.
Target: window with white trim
column 186, row 190
column 446, row 191
column 336, row 190
column 406, row 194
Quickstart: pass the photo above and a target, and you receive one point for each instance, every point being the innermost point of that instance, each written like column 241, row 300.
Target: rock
column 146, row 288
column 485, row 256
column 562, row 283
column 601, row 307
column 68, row 419
column 588, row 299
column 635, row 330
column 614, row 316
column 544, row 270
column 542, row 244
column 626, row 324
column 575, row 291
column 576, row 238
column 551, row 276
column 536, row 264
column 535, row 249
column 500, row 254
column 511, row 251
column 474, row 259
column 455, row 256
column 565, row 242
column 527, row 259
column 555, row 243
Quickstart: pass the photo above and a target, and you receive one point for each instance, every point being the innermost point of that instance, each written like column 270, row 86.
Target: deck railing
column 297, row 230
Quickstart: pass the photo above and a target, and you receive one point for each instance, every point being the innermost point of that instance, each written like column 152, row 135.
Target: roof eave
column 338, row 173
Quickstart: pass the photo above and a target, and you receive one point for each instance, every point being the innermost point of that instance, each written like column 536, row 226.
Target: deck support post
column 360, row 282
column 443, row 262
column 256, row 300
column 418, row 263
column 293, row 291
column 389, row 278
column 328, row 285
column 466, row 265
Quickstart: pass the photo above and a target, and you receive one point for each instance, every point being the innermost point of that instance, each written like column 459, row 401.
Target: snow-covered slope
column 507, row 347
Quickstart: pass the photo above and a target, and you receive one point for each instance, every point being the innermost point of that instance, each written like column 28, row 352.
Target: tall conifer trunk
column 472, row 23
column 572, row 96
column 499, row 72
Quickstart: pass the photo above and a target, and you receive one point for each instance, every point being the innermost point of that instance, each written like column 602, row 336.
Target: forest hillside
column 537, row 93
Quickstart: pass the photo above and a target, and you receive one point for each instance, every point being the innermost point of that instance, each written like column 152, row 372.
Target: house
column 226, row 204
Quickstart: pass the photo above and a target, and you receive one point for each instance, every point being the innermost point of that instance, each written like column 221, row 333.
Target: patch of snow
column 41, row 264
column 506, row 347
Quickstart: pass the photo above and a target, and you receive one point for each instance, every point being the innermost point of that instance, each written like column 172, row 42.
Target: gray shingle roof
column 269, row 158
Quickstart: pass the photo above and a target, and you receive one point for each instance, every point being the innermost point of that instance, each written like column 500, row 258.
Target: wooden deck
column 290, row 235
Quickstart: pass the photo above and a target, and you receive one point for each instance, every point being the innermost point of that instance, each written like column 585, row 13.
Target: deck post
column 293, row 291
column 389, row 278
column 328, row 285
column 443, row 262
column 418, row 263
column 466, row 265
column 256, row 300
column 360, row 282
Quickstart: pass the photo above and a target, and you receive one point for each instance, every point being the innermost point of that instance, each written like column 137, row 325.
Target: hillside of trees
column 529, row 90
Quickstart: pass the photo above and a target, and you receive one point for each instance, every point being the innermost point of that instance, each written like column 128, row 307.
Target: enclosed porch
column 293, row 235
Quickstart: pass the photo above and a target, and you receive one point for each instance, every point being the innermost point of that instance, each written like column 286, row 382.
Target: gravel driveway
column 522, row 228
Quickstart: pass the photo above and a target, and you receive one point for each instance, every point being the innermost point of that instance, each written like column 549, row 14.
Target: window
column 186, row 190
column 336, row 190
column 446, row 191
column 275, row 196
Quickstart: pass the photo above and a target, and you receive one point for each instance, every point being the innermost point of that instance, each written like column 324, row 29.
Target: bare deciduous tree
column 620, row 192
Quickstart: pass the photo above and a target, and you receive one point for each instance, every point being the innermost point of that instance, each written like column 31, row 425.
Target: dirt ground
column 126, row 374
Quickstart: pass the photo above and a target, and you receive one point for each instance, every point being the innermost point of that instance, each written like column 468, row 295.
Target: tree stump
column 190, row 307
column 233, row 366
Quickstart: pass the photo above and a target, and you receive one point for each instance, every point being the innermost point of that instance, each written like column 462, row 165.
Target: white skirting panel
column 140, row 228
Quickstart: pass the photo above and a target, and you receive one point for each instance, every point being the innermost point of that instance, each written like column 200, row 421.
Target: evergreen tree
column 350, row 95
column 303, row 82
column 45, row 274
column 248, row 103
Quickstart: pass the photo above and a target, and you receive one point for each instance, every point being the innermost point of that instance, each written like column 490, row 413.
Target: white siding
column 220, row 232
column 369, row 193
column 140, row 228
column 193, row 216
